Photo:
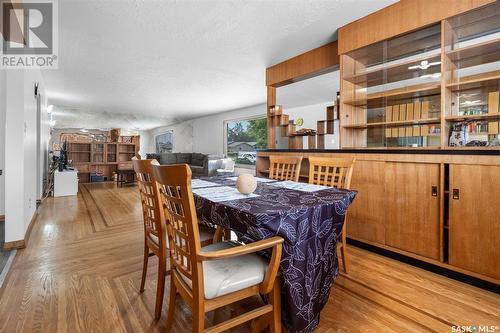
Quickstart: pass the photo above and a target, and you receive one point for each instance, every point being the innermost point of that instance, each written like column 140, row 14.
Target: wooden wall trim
column 399, row 18
column 306, row 65
column 2, row 218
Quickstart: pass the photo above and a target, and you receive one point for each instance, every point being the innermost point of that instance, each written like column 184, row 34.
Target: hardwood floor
column 82, row 267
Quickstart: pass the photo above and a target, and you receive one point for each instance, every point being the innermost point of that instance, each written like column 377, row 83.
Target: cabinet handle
column 456, row 194
column 434, row 191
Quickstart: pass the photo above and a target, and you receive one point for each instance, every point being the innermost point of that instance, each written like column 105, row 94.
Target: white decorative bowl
column 246, row 184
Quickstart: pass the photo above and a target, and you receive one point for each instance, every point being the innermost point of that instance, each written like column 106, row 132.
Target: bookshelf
column 421, row 88
column 100, row 158
column 471, row 78
column 391, row 92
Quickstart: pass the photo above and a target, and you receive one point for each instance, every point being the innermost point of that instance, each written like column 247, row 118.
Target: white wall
column 21, row 151
column 208, row 132
column 146, row 143
column 183, row 137
column 311, row 114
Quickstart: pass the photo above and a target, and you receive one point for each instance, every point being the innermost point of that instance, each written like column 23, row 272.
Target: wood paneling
column 366, row 214
column 401, row 17
column 312, row 63
column 81, row 272
column 411, row 211
column 474, row 224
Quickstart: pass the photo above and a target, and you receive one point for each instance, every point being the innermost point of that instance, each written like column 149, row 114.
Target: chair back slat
column 153, row 222
column 333, row 172
column 285, row 167
column 176, row 196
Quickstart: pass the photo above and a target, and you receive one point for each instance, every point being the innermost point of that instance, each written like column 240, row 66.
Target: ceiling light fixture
column 424, row 64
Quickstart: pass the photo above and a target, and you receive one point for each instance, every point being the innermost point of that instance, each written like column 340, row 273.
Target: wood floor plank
column 81, row 272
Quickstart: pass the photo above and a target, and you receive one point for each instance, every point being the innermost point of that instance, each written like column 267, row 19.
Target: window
column 243, row 137
column 164, row 142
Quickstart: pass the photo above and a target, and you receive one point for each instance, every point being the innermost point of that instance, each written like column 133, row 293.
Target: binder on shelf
column 493, row 102
column 493, row 127
column 402, row 112
column 395, row 113
column 388, row 113
column 409, row 131
column 416, row 110
column 401, row 132
column 395, row 132
column 416, row 130
column 424, row 130
column 425, row 109
column 388, row 132
column 409, row 111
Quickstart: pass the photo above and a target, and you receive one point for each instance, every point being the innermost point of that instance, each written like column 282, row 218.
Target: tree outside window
column 244, row 137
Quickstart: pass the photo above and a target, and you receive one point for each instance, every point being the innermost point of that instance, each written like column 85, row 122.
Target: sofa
column 201, row 164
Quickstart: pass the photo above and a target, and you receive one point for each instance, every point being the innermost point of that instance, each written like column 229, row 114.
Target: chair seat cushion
column 222, row 277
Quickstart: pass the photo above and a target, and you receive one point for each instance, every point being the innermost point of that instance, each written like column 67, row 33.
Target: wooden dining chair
column 333, row 172
column 155, row 239
column 285, row 167
column 219, row 274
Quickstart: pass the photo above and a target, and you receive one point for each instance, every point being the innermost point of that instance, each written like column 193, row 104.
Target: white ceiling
column 180, row 59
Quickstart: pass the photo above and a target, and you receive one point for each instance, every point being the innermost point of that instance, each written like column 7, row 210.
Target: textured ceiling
column 182, row 59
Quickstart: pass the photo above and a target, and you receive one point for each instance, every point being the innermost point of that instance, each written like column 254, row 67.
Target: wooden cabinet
column 412, row 208
column 405, row 205
column 366, row 219
column 474, row 220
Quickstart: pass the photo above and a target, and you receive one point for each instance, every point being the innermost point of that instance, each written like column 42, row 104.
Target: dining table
column 308, row 217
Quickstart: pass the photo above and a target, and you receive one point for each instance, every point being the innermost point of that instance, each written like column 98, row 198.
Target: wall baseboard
column 21, row 244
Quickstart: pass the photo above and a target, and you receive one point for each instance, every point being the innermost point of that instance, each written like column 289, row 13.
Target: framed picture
column 164, row 142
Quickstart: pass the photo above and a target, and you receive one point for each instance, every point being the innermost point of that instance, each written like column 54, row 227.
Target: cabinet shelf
column 395, row 123
column 420, row 90
column 475, row 81
column 474, row 117
column 477, row 54
column 397, row 71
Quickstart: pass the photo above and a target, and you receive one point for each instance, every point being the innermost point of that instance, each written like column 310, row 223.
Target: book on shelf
column 416, row 111
column 395, row 113
column 493, row 102
column 402, row 112
column 425, row 109
column 493, row 127
column 409, row 111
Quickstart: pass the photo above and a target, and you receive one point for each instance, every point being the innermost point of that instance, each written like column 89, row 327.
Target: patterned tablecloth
column 309, row 221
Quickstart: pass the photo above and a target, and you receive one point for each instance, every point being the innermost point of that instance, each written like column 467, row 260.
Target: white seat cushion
column 222, row 277
column 205, row 235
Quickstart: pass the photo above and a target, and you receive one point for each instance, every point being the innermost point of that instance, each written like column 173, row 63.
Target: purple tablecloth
column 310, row 223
